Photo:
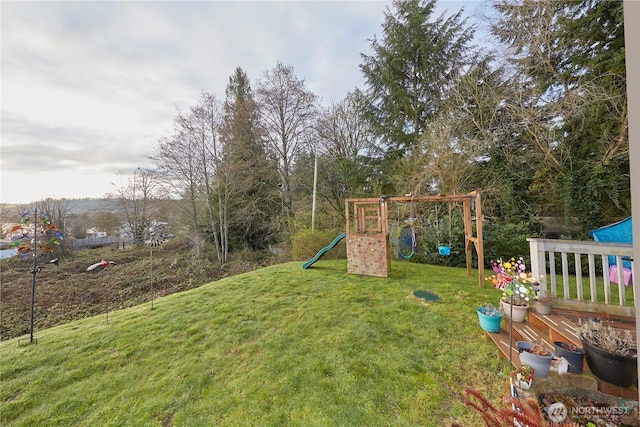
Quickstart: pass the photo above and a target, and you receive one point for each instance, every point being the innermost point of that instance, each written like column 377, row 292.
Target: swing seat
column 407, row 239
column 444, row 250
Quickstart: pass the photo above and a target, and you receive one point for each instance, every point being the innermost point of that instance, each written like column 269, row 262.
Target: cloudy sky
column 88, row 88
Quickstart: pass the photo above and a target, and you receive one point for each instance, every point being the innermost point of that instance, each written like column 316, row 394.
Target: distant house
column 93, row 234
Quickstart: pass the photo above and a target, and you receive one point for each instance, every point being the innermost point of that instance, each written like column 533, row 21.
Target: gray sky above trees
column 88, row 88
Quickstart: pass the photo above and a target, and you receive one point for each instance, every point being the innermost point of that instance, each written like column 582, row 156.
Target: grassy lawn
column 278, row 346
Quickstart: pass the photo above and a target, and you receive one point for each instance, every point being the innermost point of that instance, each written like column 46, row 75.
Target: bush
column 506, row 240
column 305, row 244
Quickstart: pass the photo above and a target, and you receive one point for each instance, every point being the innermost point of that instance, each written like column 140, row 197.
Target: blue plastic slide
column 324, row 250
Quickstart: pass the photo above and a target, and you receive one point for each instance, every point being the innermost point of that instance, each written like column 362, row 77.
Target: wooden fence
column 96, row 242
column 563, row 265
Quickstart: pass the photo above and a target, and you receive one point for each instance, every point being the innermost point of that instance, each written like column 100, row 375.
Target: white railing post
column 538, row 265
column 580, row 290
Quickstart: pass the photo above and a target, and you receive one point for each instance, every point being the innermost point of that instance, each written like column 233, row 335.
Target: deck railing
column 547, row 254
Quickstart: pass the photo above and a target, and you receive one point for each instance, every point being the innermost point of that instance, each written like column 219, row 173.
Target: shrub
column 305, row 244
column 509, row 238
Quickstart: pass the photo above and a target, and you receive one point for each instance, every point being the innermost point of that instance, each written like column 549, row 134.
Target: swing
column 407, row 235
column 444, row 250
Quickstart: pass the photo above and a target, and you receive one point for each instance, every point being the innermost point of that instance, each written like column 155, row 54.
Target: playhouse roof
column 618, row 232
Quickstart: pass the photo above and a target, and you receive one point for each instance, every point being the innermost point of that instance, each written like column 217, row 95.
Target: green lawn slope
column 277, row 346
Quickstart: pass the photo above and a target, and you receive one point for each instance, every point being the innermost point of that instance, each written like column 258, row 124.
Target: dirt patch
column 68, row 292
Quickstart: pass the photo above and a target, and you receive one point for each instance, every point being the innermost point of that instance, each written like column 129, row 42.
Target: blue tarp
column 618, row 232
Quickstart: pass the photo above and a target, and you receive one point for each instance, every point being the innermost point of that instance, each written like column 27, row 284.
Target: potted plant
column 524, row 376
column 490, row 317
column 543, row 302
column 611, row 354
column 516, row 285
column 536, row 356
column 572, row 353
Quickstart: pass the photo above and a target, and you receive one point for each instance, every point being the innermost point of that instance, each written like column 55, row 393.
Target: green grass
column 278, row 346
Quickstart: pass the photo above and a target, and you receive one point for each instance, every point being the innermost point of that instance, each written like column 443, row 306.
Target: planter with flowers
column 516, row 285
column 524, row 376
column 490, row 317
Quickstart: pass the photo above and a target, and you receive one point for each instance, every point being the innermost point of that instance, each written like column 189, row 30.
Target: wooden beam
column 479, row 242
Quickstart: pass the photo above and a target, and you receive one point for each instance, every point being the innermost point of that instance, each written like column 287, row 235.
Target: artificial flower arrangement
column 512, row 278
column 524, row 376
column 490, row 310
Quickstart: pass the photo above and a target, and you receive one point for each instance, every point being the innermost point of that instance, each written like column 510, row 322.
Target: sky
column 89, row 88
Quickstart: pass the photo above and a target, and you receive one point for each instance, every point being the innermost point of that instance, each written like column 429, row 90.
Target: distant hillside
column 77, row 206
column 87, row 205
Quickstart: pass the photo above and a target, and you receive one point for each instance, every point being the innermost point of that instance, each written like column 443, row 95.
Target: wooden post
column 468, row 235
column 632, row 31
column 347, row 216
column 479, row 241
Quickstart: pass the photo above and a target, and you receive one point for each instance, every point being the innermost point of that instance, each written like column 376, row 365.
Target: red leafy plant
column 513, row 411
column 538, row 350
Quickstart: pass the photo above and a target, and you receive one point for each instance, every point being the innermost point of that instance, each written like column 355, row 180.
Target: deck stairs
column 560, row 326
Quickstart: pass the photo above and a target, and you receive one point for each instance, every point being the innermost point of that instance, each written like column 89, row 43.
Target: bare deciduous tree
column 287, row 110
column 345, row 140
column 189, row 164
column 135, row 199
column 57, row 210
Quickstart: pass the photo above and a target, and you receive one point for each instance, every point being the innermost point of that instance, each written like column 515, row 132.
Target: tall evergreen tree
column 598, row 181
column 250, row 177
column 569, row 103
column 412, row 70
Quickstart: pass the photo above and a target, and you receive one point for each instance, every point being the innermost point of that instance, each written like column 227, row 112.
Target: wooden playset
column 367, row 231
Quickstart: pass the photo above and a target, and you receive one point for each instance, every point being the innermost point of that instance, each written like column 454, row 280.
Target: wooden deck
column 559, row 326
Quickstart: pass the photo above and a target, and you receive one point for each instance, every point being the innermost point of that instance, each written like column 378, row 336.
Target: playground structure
column 367, row 231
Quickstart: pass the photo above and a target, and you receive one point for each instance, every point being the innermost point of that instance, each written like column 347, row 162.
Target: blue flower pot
column 489, row 323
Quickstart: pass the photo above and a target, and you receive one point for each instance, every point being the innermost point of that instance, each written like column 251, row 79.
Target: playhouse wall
column 369, row 254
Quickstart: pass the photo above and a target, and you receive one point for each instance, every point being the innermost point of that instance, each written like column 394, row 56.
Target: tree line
column 537, row 121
